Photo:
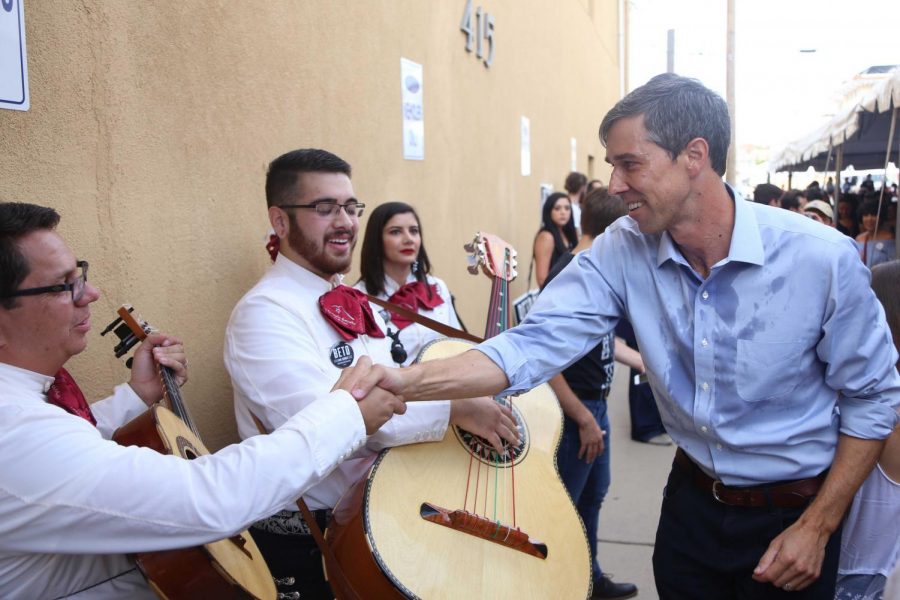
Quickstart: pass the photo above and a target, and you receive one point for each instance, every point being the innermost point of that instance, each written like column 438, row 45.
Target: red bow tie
column 349, row 313
column 66, row 394
column 414, row 296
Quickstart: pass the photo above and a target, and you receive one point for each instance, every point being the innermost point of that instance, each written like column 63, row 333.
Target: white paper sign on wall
column 413, row 110
column 13, row 60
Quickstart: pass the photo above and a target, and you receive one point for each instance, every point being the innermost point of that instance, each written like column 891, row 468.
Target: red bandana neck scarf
column 66, row 394
column 414, row 296
column 348, row 311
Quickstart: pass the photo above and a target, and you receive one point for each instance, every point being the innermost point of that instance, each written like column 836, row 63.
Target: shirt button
column 718, row 446
column 704, row 342
column 705, row 294
column 705, row 386
column 704, row 428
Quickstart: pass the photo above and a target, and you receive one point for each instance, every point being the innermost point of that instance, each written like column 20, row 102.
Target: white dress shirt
column 282, row 354
column 415, row 336
column 73, row 504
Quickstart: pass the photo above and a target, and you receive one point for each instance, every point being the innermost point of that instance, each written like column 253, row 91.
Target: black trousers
column 708, row 550
column 295, row 556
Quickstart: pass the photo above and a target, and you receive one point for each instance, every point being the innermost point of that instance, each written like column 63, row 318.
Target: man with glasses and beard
column 73, row 503
column 291, row 335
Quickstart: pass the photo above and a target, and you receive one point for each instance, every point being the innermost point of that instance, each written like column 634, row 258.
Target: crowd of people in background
column 868, row 215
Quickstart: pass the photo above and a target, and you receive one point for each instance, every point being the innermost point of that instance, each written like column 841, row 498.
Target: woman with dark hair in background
column 395, row 267
column 875, row 241
column 846, row 215
column 556, row 236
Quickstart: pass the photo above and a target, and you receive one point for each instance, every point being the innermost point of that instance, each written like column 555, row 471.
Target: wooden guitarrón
column 455, row 519
column 229, row 568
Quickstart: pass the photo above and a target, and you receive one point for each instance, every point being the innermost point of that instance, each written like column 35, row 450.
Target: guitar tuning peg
column 470, row 247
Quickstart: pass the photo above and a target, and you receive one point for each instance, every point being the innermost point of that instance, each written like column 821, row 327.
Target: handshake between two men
column 382, row 392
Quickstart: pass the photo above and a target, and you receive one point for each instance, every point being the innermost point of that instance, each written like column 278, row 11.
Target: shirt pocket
column 767, row 370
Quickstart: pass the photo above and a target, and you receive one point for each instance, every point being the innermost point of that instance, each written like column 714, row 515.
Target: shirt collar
column 746, row 242
column 305, row 277
column 390, row 286
column 15, row 378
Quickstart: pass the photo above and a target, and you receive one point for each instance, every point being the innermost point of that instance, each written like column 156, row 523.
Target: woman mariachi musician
column 395, row 267
column 556, row 236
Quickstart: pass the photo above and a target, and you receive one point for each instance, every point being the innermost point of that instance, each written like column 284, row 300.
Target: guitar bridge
column 478, row 526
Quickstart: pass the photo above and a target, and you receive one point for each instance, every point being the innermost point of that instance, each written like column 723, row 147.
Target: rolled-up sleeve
column 859, row 353
column 570, row 317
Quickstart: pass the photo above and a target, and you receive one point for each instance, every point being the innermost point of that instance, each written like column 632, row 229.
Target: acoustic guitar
column 457, row 519
column 229, row 568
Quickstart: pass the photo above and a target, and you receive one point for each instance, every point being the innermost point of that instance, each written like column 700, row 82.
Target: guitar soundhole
column 483, row 451
column 186, row 449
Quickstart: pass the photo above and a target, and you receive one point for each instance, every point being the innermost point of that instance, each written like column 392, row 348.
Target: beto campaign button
column 342, row 355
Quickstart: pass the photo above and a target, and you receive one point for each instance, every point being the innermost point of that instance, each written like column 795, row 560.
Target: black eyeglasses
column 77, row 287
column 329, row 208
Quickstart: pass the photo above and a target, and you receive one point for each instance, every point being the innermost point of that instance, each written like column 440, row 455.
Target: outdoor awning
column 861, row 131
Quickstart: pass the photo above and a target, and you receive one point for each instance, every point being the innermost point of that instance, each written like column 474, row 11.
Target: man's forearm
column 466, row 375
column 854, row 459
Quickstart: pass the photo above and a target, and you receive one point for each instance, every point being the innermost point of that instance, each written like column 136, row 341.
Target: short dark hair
column 284, row 171
column 814, row 193
column 790, row 200
column 871, row 205
column 575, row 181
column 765, row 193
column 372, row 255
column 676, row 110
column 600, row 210
column 18, row 219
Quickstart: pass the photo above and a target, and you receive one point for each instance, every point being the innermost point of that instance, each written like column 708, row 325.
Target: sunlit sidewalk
column 631, row 509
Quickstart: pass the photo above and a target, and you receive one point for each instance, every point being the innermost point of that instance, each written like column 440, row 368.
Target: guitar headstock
column 494, row 256
column 130, row 328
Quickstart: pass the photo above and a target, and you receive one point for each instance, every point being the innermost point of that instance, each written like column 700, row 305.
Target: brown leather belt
column 789, row 494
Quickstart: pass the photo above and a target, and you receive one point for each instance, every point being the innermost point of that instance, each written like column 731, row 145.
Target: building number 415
column 481, row 35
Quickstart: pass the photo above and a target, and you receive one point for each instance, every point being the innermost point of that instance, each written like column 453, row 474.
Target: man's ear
column 697, row 154
column 278, row 218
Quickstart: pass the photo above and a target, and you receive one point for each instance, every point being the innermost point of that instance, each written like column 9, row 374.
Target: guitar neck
column 172, row 397
column 498, row 310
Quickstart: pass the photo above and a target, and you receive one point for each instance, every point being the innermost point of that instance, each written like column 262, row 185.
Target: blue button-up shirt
column 755, row 368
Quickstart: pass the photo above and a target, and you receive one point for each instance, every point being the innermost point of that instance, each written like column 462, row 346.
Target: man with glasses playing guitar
column 73, row 504
column 292, row 334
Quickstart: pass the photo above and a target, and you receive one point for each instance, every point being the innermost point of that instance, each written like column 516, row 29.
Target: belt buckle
column 715, row 491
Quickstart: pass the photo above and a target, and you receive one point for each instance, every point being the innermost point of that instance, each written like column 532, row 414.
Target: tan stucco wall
column 151, row 125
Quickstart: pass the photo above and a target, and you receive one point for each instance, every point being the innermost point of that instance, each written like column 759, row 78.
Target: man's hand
column 391, row 379
column 793, row 560
column 164, row 350
column 592, row 442
column 487, row 418
column 379, row 405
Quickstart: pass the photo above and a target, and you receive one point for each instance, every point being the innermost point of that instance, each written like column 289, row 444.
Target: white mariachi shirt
column 415, row 336
column 73, row 504
column 282, row 354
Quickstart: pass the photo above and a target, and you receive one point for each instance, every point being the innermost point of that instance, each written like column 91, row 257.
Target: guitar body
column 414, row 557
column 230, row 568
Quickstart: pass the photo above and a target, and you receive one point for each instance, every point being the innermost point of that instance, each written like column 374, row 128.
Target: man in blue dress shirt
column 777, row 382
